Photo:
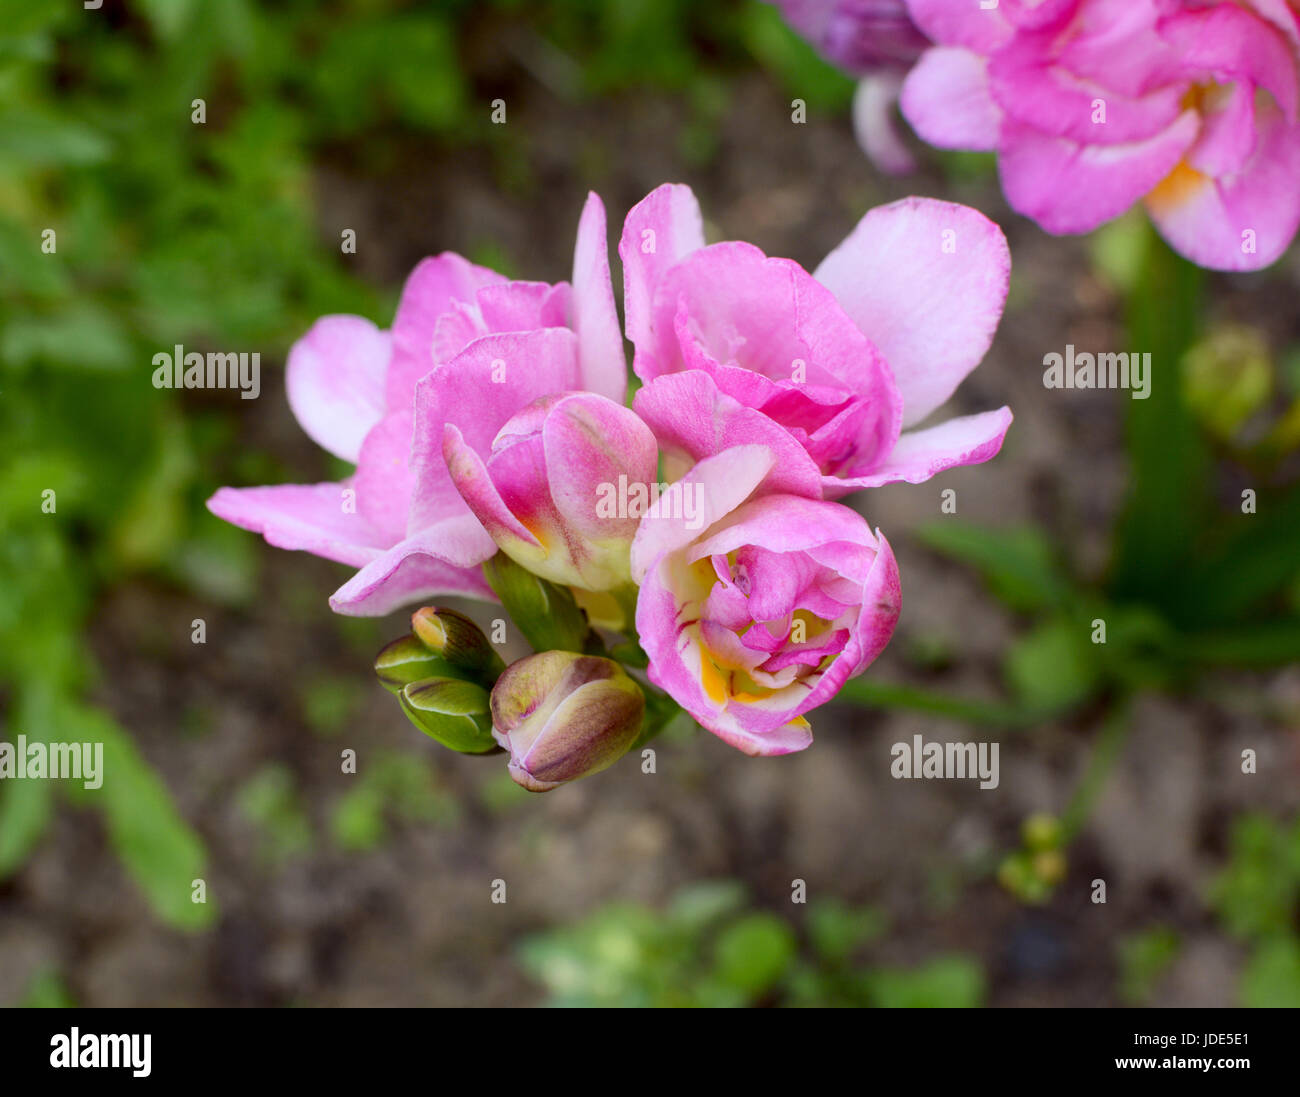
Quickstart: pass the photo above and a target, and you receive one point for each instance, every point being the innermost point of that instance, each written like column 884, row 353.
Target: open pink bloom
column 825, row 368
column 756, row 607
column 874, row 40
column 1094, row 104
column 548, row 491
column 477, row 348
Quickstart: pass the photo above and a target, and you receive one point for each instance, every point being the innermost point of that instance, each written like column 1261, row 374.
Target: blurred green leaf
column 32, row 139
column 1255, row 557
column 1268, row 643
column 269, row 799
column 1271, row 979
column 696, row 908
column 1053, row 667
column 802, row 72
column 1256, row 894
column 159, row 848
column 168, row 17
column 83, row 336
column 1018, row 563
column 1143, row 958
column 47, row 991
column 26, row 808
column 837, row 930
column 946, row 982
column 753, row 954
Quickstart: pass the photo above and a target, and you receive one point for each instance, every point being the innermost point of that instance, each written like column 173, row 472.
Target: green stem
column 892, row 695
column 660, row 711
column 625, row 596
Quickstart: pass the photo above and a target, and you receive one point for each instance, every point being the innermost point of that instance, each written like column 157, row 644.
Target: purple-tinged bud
column 563, row 716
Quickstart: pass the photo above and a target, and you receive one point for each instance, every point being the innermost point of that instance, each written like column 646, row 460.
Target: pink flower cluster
column 493, row 417
column 1190, row 106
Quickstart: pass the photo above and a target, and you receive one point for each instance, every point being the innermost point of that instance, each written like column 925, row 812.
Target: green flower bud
column 563, row 716
column 1049, row 866
column 546, row 614
column 455, row 713
column 407, row 660
column 459, row 641
column 1227, row 377
column 1041, row 831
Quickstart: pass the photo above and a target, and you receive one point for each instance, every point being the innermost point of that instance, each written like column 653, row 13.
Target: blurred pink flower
column 1092, row 105
column 826, row 368
column 467, row 346
column 759, row 606
column 876, row 41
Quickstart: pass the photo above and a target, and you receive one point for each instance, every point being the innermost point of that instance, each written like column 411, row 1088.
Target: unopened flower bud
column 563, row 716
column 407, row 660
column 455, row 713
column 1041, row 832
column 459, row 641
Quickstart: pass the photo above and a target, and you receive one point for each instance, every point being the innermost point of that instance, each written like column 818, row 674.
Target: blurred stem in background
column 1199, row 580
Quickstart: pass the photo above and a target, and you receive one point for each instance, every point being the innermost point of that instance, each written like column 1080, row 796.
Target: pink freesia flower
column 825, row 368
column 467, row 346
column 548, row 491
column 1091, row 105
column 876, row 41
column 756, row 607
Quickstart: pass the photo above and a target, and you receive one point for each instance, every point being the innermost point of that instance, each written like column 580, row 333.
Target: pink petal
column 429, row 292
column 479, row 390
column 960, row 23
column 1207, row 219
column 730, row 304
column 590, row 441
column 1285, row 18
column 783, row 523
column 921, row 454
column 693, row 420
column 876, row 128
column 316, row 518
column 335, row 381
column 475, row 483
column 595, row 318
column 441, row 561
column 946, row 99
column 722, row 482
column 522, row 306
column 1232, row 44
column 676, row 666
column 1029, row 85
column 932, row 312
column 662, row 228
column 383, row 479
column 1067, row 187
column 1038, row 14
column 1228, row 135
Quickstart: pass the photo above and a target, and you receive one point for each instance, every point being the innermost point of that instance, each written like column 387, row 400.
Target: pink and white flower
column 762, row 611
column 1092, row 105
column 825, row 368
column 467, row 346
